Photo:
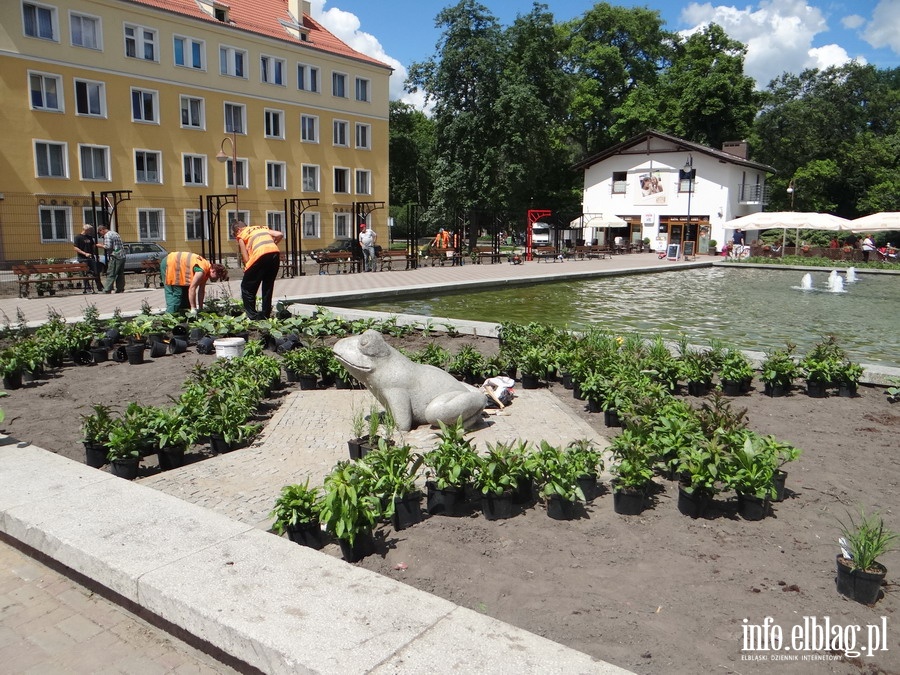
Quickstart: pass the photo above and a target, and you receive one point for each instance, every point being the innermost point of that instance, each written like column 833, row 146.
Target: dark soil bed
column 655, row 593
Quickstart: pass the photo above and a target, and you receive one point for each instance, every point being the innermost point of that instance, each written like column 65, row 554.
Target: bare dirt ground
column 655, row 593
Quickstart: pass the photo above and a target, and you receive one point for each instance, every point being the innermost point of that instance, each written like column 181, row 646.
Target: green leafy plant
column 394, row 469
column 867, row 539
column 296, row 505
column 735, row 366
column 632, row 461
column 750, row 469
column 452, row 462
column 701, row 467
column 502, row 469
column 125, row 440
column 95, row 427
column 303, row 361
column 779, row 367
column 585, row 457
column 557, row 473
column 349, row 506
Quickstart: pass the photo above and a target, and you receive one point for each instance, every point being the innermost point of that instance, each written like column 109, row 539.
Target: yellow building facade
column 142, row 96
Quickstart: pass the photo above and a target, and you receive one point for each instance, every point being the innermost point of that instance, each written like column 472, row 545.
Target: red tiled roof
column 264, row 17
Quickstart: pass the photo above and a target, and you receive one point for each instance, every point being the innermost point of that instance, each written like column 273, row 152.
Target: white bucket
column 227, row 348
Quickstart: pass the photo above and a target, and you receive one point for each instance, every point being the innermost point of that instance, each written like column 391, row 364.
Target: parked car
column 341, row 245
column 136, row 252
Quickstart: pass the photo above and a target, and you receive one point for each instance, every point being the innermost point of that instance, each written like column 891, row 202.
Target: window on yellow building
column 46, row 92
column 90, row 98
column 85, row 31
column 140, row 42
column 50, row 159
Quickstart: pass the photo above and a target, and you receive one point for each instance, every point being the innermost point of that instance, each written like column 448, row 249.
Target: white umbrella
column 877, row 222
column 797, row 220
column 602, row 220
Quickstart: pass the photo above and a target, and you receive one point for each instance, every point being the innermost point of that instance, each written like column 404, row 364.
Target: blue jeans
column 369, row 258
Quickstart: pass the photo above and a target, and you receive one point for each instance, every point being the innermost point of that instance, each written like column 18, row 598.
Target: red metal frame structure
column 534, row 215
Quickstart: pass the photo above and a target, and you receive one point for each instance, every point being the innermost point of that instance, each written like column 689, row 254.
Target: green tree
column 611, row 52
column 412, row 155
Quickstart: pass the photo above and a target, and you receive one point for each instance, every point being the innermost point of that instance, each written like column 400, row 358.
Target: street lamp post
column 790, row 191
column 688, row 170
column 221, row 157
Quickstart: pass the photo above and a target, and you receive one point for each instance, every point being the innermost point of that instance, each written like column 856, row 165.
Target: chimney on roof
column 736, row 148
column 298, row 8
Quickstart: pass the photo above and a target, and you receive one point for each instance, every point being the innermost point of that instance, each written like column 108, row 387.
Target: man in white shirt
column 367, row 238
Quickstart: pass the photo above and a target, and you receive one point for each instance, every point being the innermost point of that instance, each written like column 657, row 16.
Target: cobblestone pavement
column 50, row 624
column 308, row 434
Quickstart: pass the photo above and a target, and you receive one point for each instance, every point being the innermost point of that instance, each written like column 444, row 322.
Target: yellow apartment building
column 138, row 99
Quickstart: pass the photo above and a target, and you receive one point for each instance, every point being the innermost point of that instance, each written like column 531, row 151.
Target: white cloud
column 853, row 21
column 778, row 35
column 346, row 27
column 884, row 28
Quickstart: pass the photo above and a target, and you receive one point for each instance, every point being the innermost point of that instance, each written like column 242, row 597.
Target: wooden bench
column 591, row 252
column 544, row 253
column 441, row 256
column 50, row 277
column 480, row 253
column 387, row 257
column 150, row 270
column 343, row 260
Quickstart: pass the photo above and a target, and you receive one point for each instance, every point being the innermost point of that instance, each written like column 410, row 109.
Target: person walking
column 184, row 278
column 261, row 259
column 367, row 239
column 868, row 246
column 86, row 250
column 115, row 259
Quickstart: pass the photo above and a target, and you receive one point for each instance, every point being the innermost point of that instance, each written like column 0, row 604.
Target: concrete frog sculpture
column 414, row 393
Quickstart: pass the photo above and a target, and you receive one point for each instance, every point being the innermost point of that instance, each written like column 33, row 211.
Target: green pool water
column 754, row 309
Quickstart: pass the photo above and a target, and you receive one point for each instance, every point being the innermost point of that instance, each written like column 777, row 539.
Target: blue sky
column 781, row 35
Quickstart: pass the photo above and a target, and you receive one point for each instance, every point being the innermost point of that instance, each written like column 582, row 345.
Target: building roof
column 642, row 144
column 270, row 18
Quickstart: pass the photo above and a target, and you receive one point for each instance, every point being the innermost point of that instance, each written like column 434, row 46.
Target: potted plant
column 450, row 465
column 357, row 431
column 124, row 443
column 497, row 477
column 532, row 361
column 633, row 471
column 700, row 466
column 95, row 429
column 297, row 512
column 848, row 374
column 11, row 367
column 859, row 574
column 394, row 469
column 593, row 387
column 173, row 431
column 698, row 368
column 713, row 247
column 778, row 371
column 735, row 373
column 588, row 463
column 467, row 365
column 302, row 365
column 820, row 365
column 750, row 473
column 350, row 509
column 782, row 453
column 558, row 478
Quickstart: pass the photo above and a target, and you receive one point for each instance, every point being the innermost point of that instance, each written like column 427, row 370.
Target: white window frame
column 202, row 112
column 363, row 89
column 309, row 129
column 228, row 62
column 229, row 110
column 144, row 224
column 363, row 136
column 187, row 52
column 230, row 216
column 340, row 130
column 75, row 17
column 154, row 96
column 307, row 172
column 308, row 78
column 159, row 166
column 338, row 84
column 362, row 181
column 54, row 21
column 275, row 221
column 66, row 212
column 142, row 37
column 342, row 171
column 193, row 159
column 619, row 187
column 45, row 146
column 44, row 78
column 312, row 225
column 341, row 225
column 243, row 177
column 276, row 175
column 104, row 149
column 190, row 218
column 101, row 93
column 270, row 114
column 271, row 70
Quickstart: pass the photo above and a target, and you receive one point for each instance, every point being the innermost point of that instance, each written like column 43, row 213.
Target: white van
column 540, row 235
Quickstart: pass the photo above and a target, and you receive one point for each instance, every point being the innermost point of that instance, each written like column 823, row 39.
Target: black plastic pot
column 530, row 381
column 498, row 507
column 13, row 380
column 588, row 485
column 170, row 458
column 698, row 387
column 407, row 511
column 363, row 545
column 859, row 585
column 99, row 354
column 628, row 501
column 218, row 445
column 560, row 509
column 444, row 502
column 732, row 388
column 205, row 345
column 752, row 507
column 125, row 468
column 135, row 354
column 94, row 455
column 816, row 389
column 847, row 389
column 611, row 418
column 779, row 480
column 692, row 504
column 775, row 390
column 158, row 348
column 178, row 345
column 306, row 534
column 307, row 382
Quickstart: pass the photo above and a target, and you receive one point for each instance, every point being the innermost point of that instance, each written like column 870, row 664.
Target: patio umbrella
column 877, row 222
column 600, row 221
column 798, row 220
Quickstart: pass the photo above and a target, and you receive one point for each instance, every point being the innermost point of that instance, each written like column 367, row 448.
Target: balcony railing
column 753, row 193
